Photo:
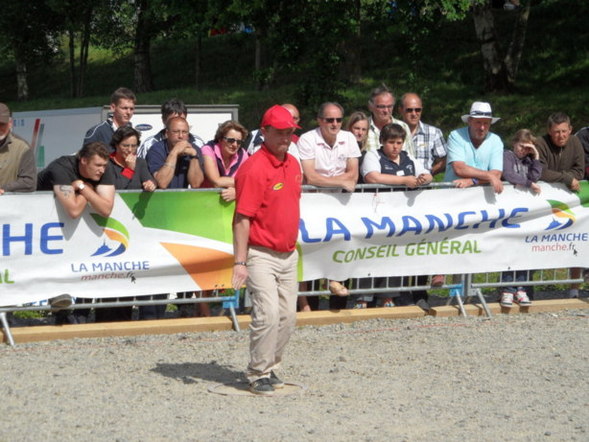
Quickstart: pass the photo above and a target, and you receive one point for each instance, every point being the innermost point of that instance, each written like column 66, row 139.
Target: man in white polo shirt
column 329, row 155
column 329, row 158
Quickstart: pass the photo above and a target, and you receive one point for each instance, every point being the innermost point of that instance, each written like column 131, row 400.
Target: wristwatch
column 81, row 187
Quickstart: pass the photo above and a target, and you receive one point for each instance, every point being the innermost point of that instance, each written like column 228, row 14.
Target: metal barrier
column 469, row 285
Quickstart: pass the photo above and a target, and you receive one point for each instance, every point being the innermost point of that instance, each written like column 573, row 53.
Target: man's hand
column 180, row 148
column 239, row 276
column 575, row 185
column 534, row 187
column 496, row 183
column 411, row 181
column 76, row 185
column 463, row 183
column 424, row 179
column 149, row 186
column 349, row 185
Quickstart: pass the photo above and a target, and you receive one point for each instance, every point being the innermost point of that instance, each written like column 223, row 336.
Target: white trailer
column 57, row 132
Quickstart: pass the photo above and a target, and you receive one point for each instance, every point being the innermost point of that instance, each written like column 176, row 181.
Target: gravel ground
column 515, row 377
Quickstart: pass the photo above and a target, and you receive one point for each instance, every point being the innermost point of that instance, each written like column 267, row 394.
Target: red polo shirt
column 268, row 192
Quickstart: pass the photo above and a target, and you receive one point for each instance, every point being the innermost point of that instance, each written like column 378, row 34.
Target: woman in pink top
column 223, row 157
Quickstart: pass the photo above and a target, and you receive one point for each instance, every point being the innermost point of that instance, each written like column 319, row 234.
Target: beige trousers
column 272, row 283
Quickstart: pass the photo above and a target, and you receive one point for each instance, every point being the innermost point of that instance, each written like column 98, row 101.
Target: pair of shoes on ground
column 388, row 302
column 521, row 297
column 360, row 305
column 266, row 386
column 337, row 288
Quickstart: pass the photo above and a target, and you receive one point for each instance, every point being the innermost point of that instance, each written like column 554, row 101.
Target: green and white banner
column 172, row 241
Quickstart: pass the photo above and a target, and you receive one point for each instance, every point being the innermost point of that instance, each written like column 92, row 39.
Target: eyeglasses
column 233, row 140
column 129, row 145
column 384, row 106
column 417, row 110
column 180, row 132
column 332, row 120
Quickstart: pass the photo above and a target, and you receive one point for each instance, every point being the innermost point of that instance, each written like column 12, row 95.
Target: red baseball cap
column 279, row 118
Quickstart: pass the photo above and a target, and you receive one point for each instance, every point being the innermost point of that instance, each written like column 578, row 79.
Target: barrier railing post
column 6, row 328
column 232, row 303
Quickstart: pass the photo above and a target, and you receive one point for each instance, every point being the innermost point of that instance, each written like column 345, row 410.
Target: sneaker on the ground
column 522, row 299
column 423, row 304
column 60, row 302
column 506, row 299
column 275, row 381
column 262, row 386
column 360, row 305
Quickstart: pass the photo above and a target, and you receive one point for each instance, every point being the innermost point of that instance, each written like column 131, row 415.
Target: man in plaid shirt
column 428, row 141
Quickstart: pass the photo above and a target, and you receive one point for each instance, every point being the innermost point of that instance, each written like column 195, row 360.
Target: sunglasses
column 233, row 140
column 413, row 109
column 384, row 106
column 332, row 120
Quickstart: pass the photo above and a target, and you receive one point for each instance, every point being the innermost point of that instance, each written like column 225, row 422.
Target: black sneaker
column 275, row 381
column 60, row 302
column 262, row 386
column 423, row 304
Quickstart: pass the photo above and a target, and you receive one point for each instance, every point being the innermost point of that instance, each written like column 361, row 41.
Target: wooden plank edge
column 219, row 323
column 549, row 305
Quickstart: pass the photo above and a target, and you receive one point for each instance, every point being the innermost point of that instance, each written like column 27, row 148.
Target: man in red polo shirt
column 265, row 230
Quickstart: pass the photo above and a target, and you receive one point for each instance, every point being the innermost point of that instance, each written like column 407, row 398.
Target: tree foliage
column 316, row 42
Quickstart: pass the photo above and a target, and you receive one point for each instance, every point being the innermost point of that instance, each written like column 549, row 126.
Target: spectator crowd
column 374, row 148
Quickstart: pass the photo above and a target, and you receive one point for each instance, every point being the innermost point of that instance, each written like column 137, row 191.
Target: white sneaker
column 506, row 299
column 522, row 299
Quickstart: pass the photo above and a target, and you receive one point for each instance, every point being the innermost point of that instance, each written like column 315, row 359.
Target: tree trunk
column 21, row 79
column 72, row 55
column 351, row 47
column 142, row 71
column 258, row 52
column 197, row 61
column 516, row 46
column 493, row 64
column 84, row 46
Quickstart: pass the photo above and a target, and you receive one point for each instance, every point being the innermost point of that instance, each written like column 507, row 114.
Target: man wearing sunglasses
column 428, row 141
column 381, row 105
column 329, row 155
column 329, row 158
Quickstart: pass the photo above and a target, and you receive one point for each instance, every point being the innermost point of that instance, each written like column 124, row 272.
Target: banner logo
column 564, row 216
column 116, row 232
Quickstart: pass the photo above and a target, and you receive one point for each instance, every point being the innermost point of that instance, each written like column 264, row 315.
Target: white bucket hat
column 480, row 109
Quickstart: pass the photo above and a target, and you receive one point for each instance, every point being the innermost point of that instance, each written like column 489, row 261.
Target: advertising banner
column 172, row 241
